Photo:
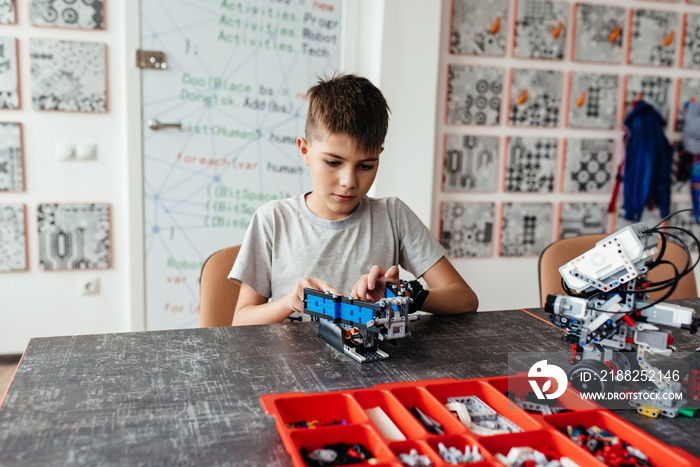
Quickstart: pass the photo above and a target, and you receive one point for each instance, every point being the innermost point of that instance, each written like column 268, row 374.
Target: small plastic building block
column 481, row 418
column 648, row 410
column 385, row 424
column 693, row 387
column 413, row 459
column 607, row 446
column 455, row 456
column 432, row 426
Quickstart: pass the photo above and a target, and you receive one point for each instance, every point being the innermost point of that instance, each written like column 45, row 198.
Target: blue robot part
column 354, row 326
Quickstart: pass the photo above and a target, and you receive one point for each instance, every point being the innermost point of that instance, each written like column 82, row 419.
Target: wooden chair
column 563, row 251
column 217, row 294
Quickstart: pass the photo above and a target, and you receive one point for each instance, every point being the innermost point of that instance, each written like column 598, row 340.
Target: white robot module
column 611, row 322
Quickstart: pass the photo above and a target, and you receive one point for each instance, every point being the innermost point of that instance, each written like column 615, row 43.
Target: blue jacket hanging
column 691, row 147
column 648, row 162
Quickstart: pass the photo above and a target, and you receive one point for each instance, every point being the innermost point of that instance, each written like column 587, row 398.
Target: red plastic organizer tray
column 541, row 432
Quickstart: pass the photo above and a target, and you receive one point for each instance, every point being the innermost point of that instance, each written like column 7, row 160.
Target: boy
column 335, row 237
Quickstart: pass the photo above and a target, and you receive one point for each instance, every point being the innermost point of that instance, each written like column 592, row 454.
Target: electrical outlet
column 65, row 151
column 86, row 151
column 89, row 286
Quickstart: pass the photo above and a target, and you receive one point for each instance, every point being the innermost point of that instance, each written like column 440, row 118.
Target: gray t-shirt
column 286, row 242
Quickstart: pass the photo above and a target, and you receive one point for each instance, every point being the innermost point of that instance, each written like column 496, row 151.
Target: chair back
column 562, row 251
column 217, row 294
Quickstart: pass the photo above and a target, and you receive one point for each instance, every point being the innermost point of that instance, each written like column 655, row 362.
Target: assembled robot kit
column 613, row 326
column 355, row 327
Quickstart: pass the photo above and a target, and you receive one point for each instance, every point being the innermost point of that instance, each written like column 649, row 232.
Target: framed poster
column 74, row 236
column 531, row 164
column 541, row 29
column 474, row 95
column 653, row 37
column 535, row 97
column 526, row 228
column 588, row 165
column 81, row 14
column 599, row 32
column 466, row 229
column 11, row 160
column 13, row 238
column 68, row 75
column 470, row 163
column 479, row 27
column 593, row 100
column 9, row 74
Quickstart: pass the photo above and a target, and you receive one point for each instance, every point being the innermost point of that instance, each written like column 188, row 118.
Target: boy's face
column 341, row 175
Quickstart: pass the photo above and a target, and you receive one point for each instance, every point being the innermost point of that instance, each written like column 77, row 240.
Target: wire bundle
column 666, row 233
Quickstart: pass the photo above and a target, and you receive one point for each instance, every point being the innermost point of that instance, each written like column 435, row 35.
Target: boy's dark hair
column 348, row 104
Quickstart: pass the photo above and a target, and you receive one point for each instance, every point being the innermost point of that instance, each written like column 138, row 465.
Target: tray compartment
column 459, row 442
column 411, row 396
column 348, row 434
column 520, row 385
column 402, row 418
column 552, row 444
column 404, row 447
column 659, row 454
column 489, row 395
column 327, row 409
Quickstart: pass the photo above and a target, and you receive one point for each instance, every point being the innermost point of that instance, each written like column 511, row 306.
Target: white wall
column 398, row 45
column 42, row 303
column 410, row 58
column 409, row 73
column 511, row 282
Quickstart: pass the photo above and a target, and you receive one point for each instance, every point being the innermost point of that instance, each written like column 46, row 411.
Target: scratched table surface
column 191, row 397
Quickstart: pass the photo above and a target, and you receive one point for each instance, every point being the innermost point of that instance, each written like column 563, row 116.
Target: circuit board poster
column 235, row 79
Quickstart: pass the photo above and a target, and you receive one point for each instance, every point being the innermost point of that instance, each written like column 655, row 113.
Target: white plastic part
column 613, row 261
column 385, row 424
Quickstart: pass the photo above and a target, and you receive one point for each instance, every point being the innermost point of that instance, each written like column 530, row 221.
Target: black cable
column 569, row 291
column 675, row 213
column 662, row 250
column 681, row 242
column 656, row 286
column 672, row 282
column 670, row 291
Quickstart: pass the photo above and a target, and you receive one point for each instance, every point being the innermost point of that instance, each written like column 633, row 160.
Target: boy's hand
column 371, row 287
column 296, row 296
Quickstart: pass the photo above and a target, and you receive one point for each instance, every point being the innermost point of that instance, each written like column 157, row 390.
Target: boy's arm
column 449, row 293
column 253, row 308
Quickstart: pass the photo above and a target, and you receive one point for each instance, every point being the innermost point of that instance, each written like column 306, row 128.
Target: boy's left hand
column 371, row 287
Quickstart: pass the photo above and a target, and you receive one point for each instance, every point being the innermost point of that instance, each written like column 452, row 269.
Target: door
column 221, row 113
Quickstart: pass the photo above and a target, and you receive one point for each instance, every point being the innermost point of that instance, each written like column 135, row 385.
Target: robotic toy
column 612, row 324
column 355, row 327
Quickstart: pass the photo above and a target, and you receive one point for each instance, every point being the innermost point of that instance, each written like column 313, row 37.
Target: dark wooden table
column 191, row 397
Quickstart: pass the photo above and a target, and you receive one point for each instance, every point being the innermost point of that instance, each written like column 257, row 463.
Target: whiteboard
column 236, row 80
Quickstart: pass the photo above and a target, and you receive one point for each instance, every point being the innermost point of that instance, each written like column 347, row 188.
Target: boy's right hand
column 372, row 286
column 296, row 296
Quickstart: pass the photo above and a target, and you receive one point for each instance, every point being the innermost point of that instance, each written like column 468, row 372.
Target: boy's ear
column 303, row 146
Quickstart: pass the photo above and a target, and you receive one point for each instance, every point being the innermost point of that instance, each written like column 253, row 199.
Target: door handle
column 154, row 124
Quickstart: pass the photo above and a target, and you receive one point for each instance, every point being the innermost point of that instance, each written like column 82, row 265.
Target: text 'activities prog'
column 280, row 27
